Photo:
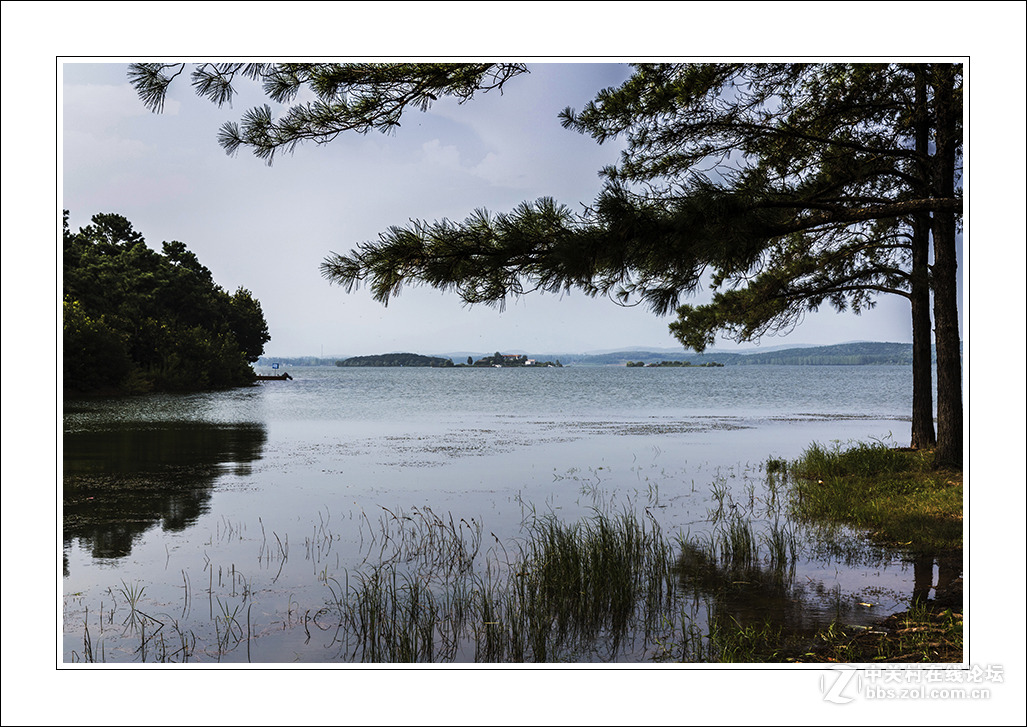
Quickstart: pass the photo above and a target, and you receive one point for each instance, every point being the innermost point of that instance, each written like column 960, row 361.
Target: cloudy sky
column 268, row 228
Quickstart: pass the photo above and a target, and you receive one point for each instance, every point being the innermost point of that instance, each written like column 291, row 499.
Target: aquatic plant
column 567, row 589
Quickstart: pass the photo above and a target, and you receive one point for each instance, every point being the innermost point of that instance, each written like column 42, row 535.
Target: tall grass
column 567, row 590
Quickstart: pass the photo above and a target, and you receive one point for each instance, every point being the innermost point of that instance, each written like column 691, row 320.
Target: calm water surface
column 238, row 509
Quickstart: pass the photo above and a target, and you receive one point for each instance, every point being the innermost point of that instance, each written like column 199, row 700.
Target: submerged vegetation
column 139, row 320
column 925, row 633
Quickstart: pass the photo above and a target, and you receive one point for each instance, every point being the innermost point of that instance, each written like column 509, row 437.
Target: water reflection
column 119, row 482
column 741, row 584
column 948, row 587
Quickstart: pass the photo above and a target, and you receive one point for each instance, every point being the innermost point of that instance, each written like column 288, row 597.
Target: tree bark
column 949, row 451
column 922, row 435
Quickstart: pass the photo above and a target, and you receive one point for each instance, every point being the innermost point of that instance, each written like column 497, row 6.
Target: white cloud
column 500, row 169
column 87, row 151
column 95, row 107
column 446, row 156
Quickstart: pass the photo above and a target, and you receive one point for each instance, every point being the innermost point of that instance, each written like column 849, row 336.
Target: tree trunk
column 949, row 452
column 922, row 435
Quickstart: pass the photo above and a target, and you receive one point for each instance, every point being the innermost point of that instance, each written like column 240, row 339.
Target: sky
column 268, row 228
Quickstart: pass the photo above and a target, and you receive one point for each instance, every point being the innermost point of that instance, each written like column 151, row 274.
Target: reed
column 132, row 594
column 739, row 548
column 736, row 554
column 387, row 616
column 783, row 545
column 87, row 642
column 721, row 500
column 569, row 589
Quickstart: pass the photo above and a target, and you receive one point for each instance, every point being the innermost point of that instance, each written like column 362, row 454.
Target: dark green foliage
column 498, row 359
column 803, row 179
column 101, row 360
column 794, row 181
column 246, row 319
column 138, row 320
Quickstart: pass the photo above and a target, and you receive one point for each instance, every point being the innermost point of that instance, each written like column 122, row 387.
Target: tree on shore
column 786, row 185
column 137, row 320
column 847, row 141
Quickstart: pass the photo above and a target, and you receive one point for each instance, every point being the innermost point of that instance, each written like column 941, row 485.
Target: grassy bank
column 895, row 495
column 900, row 500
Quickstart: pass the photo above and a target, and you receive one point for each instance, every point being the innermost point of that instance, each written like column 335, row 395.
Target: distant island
column 844, row 354
column 398, row 359
column 510, row 360
column 672, row 364
column 497, row 360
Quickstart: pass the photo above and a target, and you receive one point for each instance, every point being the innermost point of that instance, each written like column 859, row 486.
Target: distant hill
column 844, row 354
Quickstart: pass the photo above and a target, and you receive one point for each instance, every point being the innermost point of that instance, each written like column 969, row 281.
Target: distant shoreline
column 844, row 354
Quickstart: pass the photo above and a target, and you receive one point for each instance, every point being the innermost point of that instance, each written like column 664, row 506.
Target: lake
column 222, row 527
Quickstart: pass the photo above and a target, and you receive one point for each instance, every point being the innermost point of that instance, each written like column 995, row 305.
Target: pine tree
column 787, row 185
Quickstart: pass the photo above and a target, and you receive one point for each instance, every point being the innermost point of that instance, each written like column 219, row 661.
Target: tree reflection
column 747, row 588
column 950, row 570
column 120, row 482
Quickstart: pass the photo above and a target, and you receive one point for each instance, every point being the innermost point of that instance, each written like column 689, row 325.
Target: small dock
column 278, row 377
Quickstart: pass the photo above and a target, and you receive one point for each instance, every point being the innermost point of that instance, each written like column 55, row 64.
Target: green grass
column 895, row 495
